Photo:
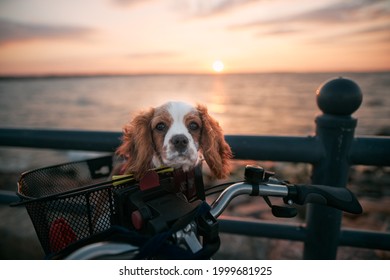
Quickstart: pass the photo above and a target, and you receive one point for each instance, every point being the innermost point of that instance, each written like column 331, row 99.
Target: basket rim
column 27, row 172
column 122, row 180
column 125, row 179
column 31, row 171
column 92, row 187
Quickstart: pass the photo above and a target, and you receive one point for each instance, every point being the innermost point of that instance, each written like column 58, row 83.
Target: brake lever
column 281, row 211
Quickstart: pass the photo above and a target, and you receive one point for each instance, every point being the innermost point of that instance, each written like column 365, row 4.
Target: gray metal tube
column 237, row 189
column 227, row 195
column 102, row 249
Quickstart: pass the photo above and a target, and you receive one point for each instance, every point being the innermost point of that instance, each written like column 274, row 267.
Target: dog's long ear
column 137, row 144
column 216, row 151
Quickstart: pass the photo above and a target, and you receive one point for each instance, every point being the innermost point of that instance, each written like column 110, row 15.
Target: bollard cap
column 339, row 96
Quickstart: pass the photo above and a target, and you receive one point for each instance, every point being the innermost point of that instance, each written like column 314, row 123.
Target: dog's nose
column 180, row 142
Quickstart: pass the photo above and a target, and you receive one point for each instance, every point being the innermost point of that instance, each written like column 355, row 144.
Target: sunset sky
column 44, row 37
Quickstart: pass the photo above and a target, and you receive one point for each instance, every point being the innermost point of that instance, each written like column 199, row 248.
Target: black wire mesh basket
column 69, row 202
column 74, row 202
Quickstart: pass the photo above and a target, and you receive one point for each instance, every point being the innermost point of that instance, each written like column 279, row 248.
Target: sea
column 245, row 104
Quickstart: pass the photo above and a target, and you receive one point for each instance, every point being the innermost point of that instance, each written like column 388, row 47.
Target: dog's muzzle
column 180, row 143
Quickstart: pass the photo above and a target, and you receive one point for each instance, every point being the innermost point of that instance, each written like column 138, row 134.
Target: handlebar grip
column 340, row 198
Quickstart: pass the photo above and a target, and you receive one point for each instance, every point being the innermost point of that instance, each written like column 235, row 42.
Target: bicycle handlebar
column 241, row 188
column 340, row 198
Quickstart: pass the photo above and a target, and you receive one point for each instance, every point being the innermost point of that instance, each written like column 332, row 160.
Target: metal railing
column 331, row 151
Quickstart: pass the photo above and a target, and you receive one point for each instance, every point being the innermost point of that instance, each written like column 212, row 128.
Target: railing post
column 337, row 99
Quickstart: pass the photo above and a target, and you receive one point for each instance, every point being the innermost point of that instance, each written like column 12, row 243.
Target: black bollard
column 337, row 99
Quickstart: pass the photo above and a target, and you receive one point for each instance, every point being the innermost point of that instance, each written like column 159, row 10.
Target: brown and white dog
column 177, row 135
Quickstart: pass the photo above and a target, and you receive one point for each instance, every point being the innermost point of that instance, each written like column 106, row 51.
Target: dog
column 177, row 135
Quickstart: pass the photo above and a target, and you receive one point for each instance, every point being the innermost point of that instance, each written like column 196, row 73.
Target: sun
column 218, row 66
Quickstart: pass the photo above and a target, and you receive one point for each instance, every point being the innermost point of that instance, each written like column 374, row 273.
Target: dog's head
column 175, row 134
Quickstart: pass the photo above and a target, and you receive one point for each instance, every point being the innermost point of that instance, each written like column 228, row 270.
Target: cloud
column 280, row 31
column 375, row 29
column 335, row 13
column 342, row 21
column 346, row 12
column 205, row 8
column 129, row 2
column 11, row 31
column 153, row 55
column 193, row 8
column 378, row 33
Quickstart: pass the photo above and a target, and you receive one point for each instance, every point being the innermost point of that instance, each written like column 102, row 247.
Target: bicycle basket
column 75, row 201
column 68, row 202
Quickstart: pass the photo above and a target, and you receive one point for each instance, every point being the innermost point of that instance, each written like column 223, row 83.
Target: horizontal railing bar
column 7, row 197
column 276, row 148
column 348, row 237
column 365, row 239
column 256, row 228
column 365, row 150
column 373, row 150
column 98, row 141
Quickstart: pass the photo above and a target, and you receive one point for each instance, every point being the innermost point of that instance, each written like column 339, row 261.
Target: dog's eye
column 193, row 126
column 161, row 126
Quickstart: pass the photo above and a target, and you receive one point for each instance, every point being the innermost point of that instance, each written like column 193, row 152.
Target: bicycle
column 162, row 217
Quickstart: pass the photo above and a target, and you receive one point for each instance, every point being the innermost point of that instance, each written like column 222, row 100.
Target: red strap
column 149, row 181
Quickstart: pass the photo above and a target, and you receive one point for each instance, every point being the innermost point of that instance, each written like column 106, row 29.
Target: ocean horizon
column 127, row 74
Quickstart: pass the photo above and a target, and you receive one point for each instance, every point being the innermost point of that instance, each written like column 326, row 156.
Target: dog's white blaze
column 178, row 111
